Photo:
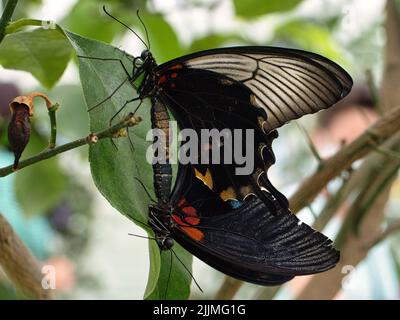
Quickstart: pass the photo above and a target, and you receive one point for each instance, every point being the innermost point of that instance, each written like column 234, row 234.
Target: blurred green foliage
column 44, row 53
column 254, row 8
column 87, row 18
column 309, row 36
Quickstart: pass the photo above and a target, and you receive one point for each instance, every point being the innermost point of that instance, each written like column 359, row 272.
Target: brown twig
column 330, row 168
column 391, row 229
column 20, row 265
column 229, row 288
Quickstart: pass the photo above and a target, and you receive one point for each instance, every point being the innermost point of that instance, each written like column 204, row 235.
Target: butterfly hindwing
column 250, row 243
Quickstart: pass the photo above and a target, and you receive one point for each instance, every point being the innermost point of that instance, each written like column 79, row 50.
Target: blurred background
column 57, row 211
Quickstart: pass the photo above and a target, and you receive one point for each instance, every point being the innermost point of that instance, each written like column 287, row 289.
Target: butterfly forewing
column 286, row 83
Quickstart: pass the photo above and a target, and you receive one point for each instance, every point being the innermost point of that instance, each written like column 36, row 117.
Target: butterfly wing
column 285, row 83
column 250, row 243
column 258, row 88
column 207, row 100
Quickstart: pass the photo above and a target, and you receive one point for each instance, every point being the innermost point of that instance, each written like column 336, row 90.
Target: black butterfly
column 240, row 225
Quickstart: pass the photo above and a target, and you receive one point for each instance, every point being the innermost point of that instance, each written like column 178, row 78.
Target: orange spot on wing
column 206, row 178
column 174, row 75
column 188, row 228
column 228, row 194
column 187, row 223
column 192, row 221
column 194, row 233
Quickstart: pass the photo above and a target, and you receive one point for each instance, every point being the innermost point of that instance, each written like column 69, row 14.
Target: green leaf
column 40, row 187
column 255, row 8
column 114, row 170
column 215, row 41
column 310, row 36
column 42, row 52
column 169, row 285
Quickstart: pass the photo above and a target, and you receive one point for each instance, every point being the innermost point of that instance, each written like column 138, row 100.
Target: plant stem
column 128, row 121
column 53, row 125
column 26, row 22
column 6, row 17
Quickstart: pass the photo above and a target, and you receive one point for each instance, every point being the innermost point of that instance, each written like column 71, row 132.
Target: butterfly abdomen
column 162, row 170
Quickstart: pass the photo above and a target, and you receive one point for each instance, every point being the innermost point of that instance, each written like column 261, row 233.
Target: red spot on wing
column 181, row 202
column 176, row 67
column 190, row 211
column 174, row 75
column 189, row 221
column 188, row 227
column 162, row 79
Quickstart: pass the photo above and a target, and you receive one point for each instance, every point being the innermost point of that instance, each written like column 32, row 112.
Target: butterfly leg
column 109, row 97
column 187, row 269
column 145, row 189
column 122, row 108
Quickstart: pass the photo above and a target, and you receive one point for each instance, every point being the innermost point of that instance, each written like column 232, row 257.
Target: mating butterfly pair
column 240, row 225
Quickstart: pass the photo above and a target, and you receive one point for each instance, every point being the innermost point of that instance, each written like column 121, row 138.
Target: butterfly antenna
column 139, row 236
column 125, row 25
column 191, row 275
column 145, row 29
column 145, row 190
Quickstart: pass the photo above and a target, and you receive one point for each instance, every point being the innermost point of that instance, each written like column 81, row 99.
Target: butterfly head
column 146, row 61
column 145, row 54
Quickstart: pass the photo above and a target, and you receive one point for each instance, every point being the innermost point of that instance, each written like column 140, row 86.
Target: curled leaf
column 19, row 129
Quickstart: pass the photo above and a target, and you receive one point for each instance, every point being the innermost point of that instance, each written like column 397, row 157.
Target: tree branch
column 392, row 228
column 128, row 121
column 228, row 289
column 330, row 168
column 20, row 265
